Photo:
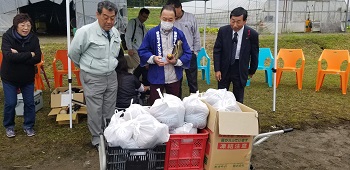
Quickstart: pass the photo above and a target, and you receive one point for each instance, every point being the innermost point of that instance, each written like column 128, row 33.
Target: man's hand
column 250, row 76
column 13, row 50
column 158, row 60
column 146, row 88
column 218, row 75
column 172, row 60
column 131, row 52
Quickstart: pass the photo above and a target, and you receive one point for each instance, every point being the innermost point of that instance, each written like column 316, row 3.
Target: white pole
column 69, row 65
column 211, row 13
column 346, row 16
column 228, row 11
column 82, row 2
column 275, row 54
column 17, row 9
column 205, row 22
column 195, row 7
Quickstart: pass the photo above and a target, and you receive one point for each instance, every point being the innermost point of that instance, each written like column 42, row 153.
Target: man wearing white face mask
column 164, row 73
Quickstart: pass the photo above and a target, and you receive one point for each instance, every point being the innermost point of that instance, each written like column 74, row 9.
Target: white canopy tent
column 9, row 8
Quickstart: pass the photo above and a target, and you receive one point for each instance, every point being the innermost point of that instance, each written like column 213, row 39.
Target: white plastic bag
column 149, row 132
column 222, row 100
column 213, row 95
column 168, row 110
column 134, row 110
column 119, row 132
column 112, row 126
column 186, row 128
column 196, row 112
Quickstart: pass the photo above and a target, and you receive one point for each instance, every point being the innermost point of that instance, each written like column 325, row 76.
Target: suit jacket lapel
column 244, row 41
column 229, row 35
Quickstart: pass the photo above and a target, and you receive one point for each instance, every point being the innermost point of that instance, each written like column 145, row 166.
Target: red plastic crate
column 186, row 151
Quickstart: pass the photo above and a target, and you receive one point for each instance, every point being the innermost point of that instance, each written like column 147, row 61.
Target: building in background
column 325, row 15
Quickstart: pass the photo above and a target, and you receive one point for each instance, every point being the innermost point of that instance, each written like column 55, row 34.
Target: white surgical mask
column 166, row 25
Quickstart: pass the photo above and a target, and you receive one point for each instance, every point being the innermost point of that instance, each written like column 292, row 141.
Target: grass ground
column 153, row 18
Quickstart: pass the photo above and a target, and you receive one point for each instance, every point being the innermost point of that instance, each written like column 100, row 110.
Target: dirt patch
column 327, row 148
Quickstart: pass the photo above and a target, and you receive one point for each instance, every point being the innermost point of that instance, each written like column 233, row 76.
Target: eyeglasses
column 25, row 25
column 145, row 16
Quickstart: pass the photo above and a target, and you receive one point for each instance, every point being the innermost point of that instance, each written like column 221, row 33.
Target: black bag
column 122, row 37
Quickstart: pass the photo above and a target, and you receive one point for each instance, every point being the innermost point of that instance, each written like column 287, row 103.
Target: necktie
column 234, row 48
column 143, row 32
column 108, row 36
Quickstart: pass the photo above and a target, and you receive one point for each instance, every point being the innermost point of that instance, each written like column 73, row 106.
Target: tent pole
column 82, row 3
column 275, row 54
column 69, row 65
column 346, row 16
column 228, row 10
column 195, row 7
column 205, row 22
column 17, row 9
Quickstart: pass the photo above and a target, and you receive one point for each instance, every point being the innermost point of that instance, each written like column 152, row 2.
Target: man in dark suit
column 236, row 53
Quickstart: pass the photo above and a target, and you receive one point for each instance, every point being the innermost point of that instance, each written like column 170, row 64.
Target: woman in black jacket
column 21, row 51
column 128, row 85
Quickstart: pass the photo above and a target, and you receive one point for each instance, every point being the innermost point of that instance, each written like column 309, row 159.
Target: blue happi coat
column 152, row 45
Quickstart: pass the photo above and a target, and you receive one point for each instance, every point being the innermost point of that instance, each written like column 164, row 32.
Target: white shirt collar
column 239, row 32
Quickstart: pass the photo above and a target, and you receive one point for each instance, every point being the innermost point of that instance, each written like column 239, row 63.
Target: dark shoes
column 10, row 132
column 30, row 132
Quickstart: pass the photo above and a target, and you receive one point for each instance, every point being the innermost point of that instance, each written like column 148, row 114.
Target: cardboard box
column 56, row 111
column 63, row 118
column 38, row 101
column 59, row 99
column 230, row 140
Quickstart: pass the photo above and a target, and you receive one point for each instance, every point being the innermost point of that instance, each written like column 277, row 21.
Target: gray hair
column 110, row 6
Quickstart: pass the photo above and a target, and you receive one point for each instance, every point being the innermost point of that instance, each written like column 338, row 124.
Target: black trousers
column 191, row 75
column 144, row 72
column 172, row 88
column 234, row 77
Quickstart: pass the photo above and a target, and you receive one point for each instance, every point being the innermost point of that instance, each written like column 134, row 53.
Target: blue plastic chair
column 205, row 67
column 265, row 53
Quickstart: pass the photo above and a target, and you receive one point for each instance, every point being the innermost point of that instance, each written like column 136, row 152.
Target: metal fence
column 325, row 15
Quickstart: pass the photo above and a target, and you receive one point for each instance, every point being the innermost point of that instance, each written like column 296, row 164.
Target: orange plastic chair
column 39, row 84
column 334, row 59
column 290, row 59
column 62, row 55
